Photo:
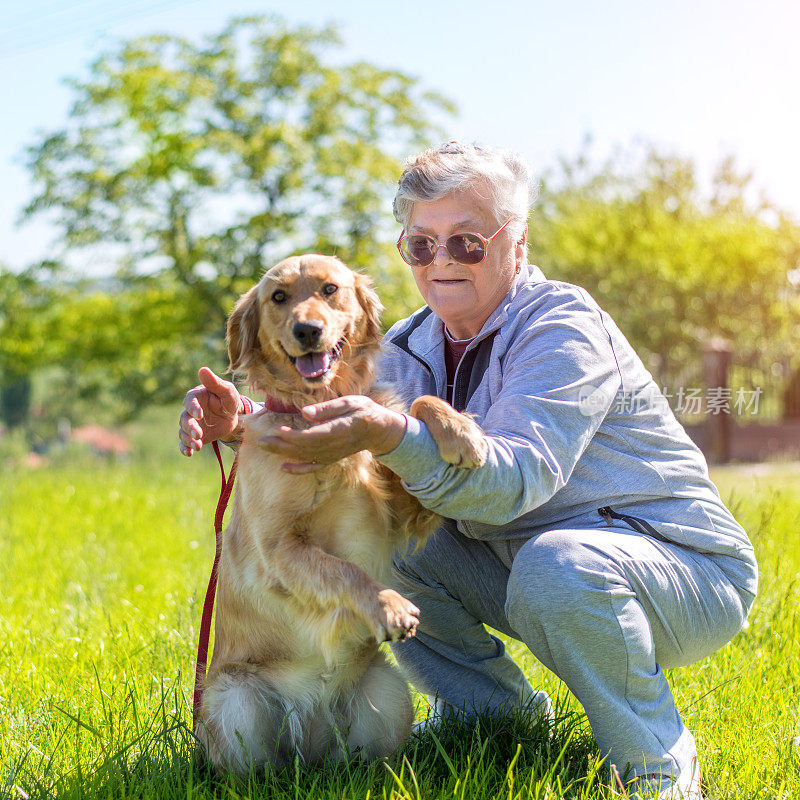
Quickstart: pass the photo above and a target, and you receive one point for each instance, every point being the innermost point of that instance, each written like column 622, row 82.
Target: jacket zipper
column 638, row 524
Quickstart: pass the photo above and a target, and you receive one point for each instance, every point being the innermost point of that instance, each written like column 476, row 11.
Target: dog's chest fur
column 342, row 509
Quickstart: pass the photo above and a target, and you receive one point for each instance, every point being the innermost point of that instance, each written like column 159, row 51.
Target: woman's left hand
column 343, row 426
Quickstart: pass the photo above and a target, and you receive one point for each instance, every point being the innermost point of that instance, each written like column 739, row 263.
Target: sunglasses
column 419, row 249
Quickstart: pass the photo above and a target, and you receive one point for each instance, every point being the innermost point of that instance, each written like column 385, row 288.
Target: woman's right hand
column 210, row 411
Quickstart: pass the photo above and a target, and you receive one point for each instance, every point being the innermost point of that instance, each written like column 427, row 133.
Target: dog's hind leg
column 244, row 724
column 378, row 718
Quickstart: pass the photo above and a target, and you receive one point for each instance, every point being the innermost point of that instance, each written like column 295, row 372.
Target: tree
column 204, row 164
column 96, row 342
column 673, row 265
column 24, row 304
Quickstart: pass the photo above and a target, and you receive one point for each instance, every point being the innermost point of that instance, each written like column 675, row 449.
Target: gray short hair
column 439, row 171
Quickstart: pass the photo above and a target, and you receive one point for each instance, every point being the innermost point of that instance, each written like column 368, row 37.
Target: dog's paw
column 397, row 618
column 459, row 439
column 465, row 446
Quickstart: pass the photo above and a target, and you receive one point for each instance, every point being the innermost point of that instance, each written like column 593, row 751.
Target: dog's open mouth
column 316, row 365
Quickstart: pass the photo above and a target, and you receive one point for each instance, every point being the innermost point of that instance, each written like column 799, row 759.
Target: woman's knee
column 551, row 575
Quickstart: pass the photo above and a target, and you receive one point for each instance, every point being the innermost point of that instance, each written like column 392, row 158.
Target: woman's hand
column 210, row 411
column 342, row 427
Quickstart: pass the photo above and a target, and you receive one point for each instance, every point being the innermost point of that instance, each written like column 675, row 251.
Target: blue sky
column 705, row 78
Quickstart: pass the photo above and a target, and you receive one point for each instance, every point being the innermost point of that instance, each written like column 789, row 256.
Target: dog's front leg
column 459, row 439
column 316, row 577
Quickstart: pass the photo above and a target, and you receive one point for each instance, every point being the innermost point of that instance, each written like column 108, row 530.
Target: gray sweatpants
column 605, row 609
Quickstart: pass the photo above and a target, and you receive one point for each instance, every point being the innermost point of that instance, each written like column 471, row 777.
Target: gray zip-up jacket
column 574, row 423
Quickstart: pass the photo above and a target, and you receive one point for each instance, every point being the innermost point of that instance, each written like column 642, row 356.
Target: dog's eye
column 278, row 296
column 330, row 288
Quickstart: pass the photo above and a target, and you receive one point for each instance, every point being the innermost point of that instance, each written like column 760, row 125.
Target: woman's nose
column 441, row 250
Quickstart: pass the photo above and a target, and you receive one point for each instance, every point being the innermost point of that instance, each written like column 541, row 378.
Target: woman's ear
column 371, row 305
column 242, row 334
column 521, row 249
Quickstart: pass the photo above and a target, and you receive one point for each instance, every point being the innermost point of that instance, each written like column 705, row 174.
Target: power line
column 66, row 10
column 81, row 27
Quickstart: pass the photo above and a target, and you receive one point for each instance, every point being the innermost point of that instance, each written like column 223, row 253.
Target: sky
column 699, row 78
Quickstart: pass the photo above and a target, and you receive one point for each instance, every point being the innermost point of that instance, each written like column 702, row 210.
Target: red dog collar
column 273, row 404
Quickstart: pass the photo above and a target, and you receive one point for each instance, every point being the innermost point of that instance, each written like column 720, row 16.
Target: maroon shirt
column 453, row 351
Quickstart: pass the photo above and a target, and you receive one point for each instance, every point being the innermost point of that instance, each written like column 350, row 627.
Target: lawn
column 103, row 568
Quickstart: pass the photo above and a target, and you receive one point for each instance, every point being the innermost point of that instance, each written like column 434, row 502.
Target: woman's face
column 464, row 296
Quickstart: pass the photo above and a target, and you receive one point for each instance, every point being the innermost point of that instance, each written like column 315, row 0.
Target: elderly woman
column 592, row 534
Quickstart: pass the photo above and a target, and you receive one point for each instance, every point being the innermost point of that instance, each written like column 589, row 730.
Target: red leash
column 208, row 605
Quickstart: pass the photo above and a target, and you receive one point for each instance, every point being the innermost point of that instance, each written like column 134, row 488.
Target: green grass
column 103, row 568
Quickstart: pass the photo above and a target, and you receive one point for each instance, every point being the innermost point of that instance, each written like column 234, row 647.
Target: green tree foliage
column 208, row 162
column 673, row 264
column 130, row 347
column 186, row 169
column 24, row 303
column 111, row 343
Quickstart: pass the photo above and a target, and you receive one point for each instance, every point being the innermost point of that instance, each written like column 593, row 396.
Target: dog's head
column 308, row 329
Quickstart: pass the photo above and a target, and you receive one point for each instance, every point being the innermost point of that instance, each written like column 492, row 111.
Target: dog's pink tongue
column 312, row 365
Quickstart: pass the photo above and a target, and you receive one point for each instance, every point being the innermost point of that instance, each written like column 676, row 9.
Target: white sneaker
column 541, row 704
column 664, row 787
column 436, row 710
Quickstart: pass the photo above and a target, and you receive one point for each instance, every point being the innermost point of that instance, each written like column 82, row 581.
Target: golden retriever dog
column 302, row 597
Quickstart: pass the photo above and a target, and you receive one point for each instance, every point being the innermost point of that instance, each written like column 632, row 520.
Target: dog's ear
column 242, row 334
column 371, row 305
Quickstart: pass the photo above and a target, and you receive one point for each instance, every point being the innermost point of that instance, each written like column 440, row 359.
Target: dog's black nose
column 307, row 333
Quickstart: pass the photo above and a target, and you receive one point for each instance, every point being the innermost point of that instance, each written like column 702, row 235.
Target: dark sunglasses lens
column 419, row 250
column 466, row 248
